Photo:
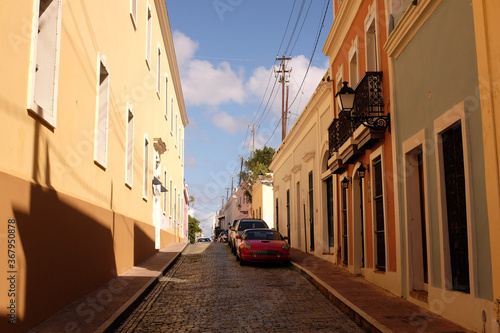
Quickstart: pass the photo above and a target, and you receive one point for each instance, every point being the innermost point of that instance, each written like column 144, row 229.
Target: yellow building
column 299, row 177
column 488, row 52
column 262, row 200
column 92, row 147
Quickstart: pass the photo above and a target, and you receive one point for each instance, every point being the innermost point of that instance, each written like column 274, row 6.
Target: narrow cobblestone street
column 207, row 291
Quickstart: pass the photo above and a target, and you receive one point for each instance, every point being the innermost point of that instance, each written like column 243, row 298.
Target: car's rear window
column 251, row 225
column 262, row 235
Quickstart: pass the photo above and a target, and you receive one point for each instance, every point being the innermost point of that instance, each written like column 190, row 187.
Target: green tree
column 193, row 228
column 258, row 163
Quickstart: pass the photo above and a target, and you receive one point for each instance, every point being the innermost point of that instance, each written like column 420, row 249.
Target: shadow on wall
column 64, row 251
column 144, row 243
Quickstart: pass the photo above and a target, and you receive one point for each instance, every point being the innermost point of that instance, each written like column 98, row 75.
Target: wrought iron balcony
column 369, row 104
column 333, row 139
column 368, row 111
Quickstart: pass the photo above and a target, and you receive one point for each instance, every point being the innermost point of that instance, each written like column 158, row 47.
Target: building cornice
column 161, row 10
column 341, row 26
column 287, row 178
column 308, row 156
column 407, row 27
column 296, row 169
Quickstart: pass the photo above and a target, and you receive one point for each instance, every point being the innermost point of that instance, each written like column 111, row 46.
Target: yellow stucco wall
column 79, row 224
column 302, row 152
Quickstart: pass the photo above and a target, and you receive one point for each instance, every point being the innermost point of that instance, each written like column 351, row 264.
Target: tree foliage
column 193, row 228
column 258, row 163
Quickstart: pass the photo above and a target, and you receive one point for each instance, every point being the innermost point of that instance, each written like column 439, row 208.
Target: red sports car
column 262, row 245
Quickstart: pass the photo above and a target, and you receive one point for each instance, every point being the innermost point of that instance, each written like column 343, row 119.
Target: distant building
column 262, row 201
column 92, row 144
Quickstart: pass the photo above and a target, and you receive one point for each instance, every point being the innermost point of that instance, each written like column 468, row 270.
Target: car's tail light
column 247, row 246
column 285, row 246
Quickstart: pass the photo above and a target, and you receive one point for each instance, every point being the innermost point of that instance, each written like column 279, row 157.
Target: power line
column 264, row 113
column 309, row 65
column 295, row 26
column 314, row 51
column 301, row 27
column 231, row 59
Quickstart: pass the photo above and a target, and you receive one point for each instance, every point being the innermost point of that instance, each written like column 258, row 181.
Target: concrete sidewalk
column 366, row 303
column 118, row 297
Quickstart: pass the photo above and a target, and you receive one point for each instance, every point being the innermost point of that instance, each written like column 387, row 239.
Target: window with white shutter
column 171, row 115
column 164, row 193
column 133, row 12
column 158, row 73
column 149, row 33
column 101, row 136
column 170, row 198
column 130, row 147
column 44, row 70
column 166, row 96
column 145, row 187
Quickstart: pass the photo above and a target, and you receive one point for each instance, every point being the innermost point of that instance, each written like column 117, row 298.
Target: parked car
column 230, row 234
column 222, row 237
column 241, row 225
column 203, row 240
column 266, row 245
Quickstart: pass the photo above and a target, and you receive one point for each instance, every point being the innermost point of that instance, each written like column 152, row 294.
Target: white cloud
column 202, row 82
column 185, row 48
column 206, row 84
column 190, row 161
column 229, row 123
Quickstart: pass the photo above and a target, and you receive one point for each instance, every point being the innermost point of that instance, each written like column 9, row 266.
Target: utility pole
column 253, row 139
column 241, row 170
column 282, row 79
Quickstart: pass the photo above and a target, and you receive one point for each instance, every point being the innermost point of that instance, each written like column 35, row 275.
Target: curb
column 359, row 316
column 116, row 319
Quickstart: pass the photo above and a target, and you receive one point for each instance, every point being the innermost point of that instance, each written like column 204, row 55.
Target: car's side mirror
column 238, row 237
column 285, row 238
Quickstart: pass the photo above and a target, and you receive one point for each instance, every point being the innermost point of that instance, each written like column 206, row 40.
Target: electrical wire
column 301, row 27
column 308, row 67
column 313, row 52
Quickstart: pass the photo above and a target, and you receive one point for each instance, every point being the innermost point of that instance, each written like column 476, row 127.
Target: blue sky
column 226, row 51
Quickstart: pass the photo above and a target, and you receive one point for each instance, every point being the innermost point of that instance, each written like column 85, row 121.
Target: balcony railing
column 333, row 131
column 368, row 103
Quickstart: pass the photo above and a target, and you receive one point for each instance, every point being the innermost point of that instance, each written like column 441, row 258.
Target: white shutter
column 130, row 147
column 172, row 114
column 46, row 55
column 134, row 9
column 149, row 37
column 102, row 116
column 146, row 168
column 165, row 193
column 158, row 73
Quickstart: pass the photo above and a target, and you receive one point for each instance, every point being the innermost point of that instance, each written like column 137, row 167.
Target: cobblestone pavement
column 207, row 291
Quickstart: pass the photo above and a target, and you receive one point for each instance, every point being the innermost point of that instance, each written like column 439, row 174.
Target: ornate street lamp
column 362, row 171
column 345, row 183
column 345, row 97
